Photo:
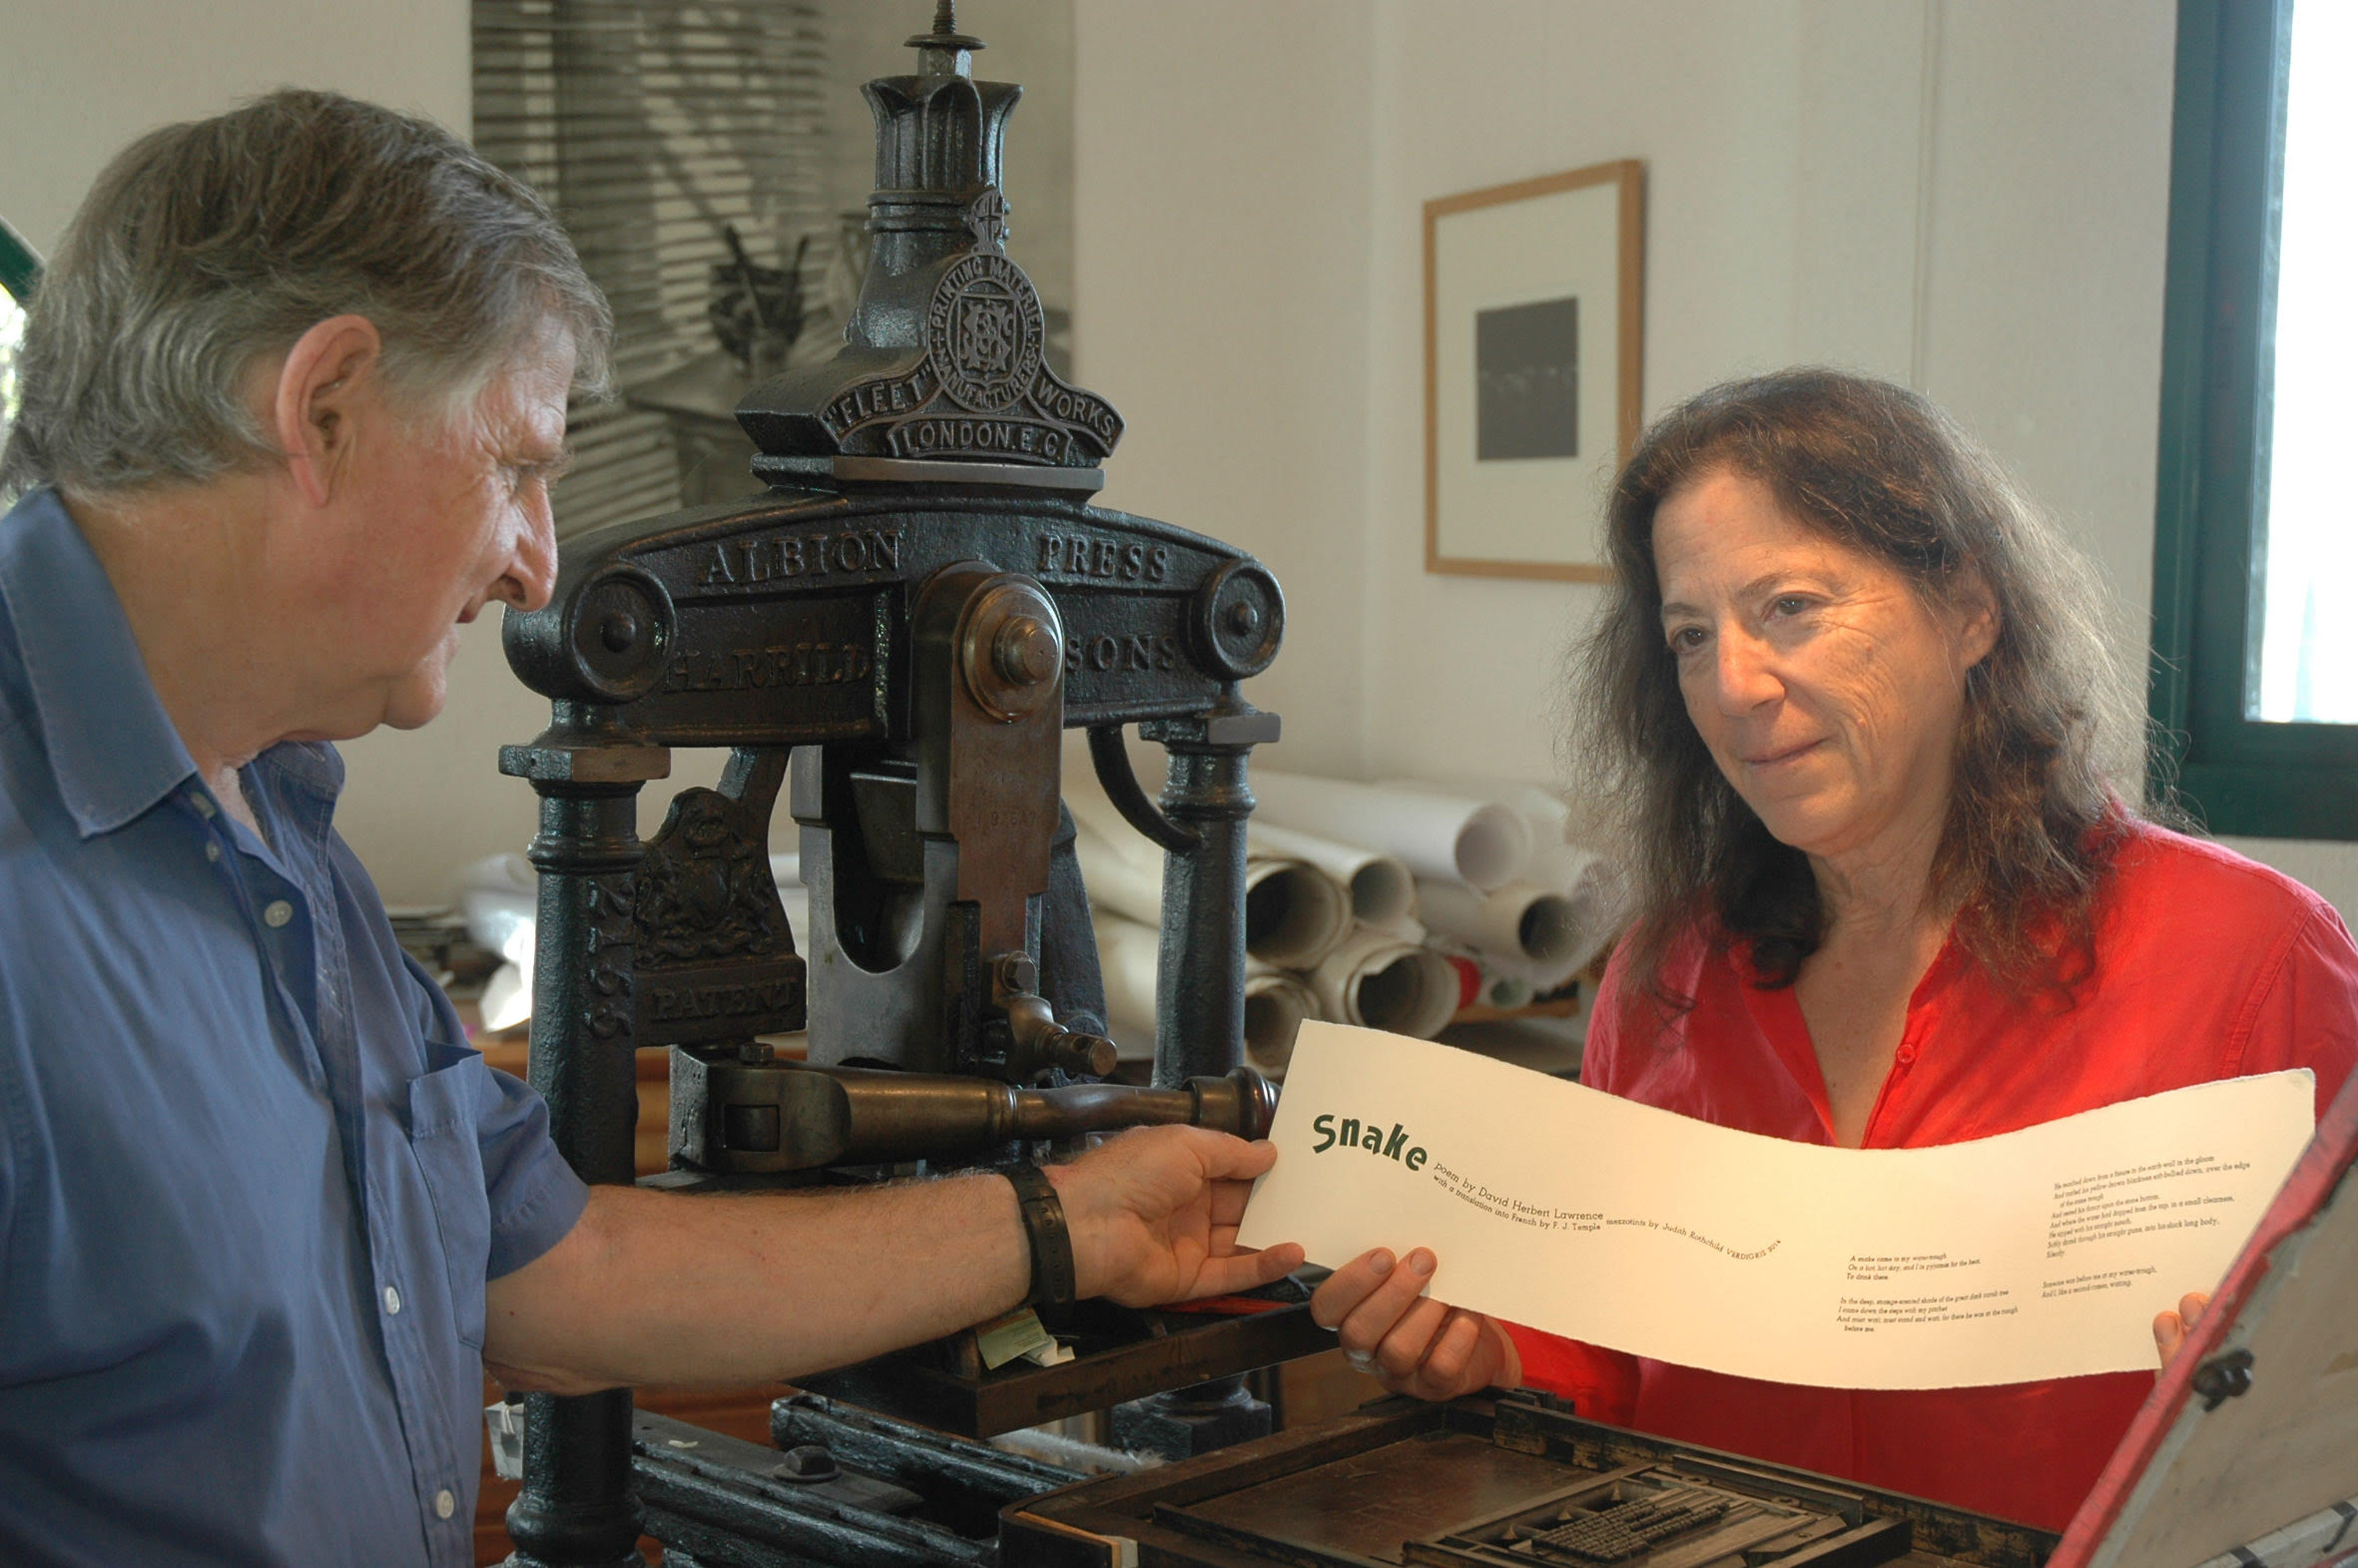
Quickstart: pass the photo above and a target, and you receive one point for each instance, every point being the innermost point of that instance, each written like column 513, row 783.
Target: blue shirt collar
column 111, row 746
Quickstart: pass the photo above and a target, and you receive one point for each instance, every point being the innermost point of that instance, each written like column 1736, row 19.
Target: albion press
column 891, row 641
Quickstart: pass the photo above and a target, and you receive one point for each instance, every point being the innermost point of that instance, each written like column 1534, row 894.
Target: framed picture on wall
column 1533, row 341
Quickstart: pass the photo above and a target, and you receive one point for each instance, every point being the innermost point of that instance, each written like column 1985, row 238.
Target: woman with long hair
column 1854, row 703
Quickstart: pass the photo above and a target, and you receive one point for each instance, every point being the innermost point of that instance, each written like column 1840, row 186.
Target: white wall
column 1967, row 196
column 1968, row 199
column 86, row 78
column 1222, row 250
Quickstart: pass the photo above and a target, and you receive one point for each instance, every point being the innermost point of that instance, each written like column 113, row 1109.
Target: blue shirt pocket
column 443, row 1106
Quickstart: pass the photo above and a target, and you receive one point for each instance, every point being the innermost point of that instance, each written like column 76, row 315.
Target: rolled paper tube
column 1562, row 833
column 1126, row 885
column 1292, row 914
column 1600, row 911
column 1093, row 812
column 1382, row 890
column 1563, row 863
column 1486, row 982
column 1564, row 855
column 1479, row 842
column 1378, row 981
column 1127, row 955
column 1276, row 1002
column 1468, row 973
column 1274, row 1006
column 1550, row 824
column 1295, row 913
column 1518, row 922
column 507, row 997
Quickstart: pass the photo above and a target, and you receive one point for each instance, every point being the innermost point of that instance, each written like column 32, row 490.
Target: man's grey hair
column 206, row 249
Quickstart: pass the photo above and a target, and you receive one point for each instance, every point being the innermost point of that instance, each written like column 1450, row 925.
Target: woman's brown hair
column 2031, row 816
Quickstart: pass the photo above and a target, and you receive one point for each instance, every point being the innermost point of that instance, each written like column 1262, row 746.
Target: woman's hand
column 2170, row 1329
column 1413, row 1345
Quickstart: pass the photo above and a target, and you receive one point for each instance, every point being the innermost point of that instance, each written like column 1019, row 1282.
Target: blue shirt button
column 277, row 913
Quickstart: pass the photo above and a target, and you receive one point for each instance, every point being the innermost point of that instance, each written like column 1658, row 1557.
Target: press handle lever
column 789, row 1116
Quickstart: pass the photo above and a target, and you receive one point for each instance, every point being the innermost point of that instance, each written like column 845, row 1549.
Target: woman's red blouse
column 2208, row 966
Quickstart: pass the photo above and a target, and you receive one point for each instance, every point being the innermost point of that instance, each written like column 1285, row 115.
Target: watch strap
column 1054, row 1278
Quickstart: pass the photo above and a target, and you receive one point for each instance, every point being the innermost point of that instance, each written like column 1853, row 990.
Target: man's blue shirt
column 252, row 1180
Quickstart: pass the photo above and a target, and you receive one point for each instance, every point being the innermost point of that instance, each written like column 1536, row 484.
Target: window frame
column 2238, row 774
column 20, row 269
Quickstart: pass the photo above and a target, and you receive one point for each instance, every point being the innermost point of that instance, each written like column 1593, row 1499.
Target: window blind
column 649, row 125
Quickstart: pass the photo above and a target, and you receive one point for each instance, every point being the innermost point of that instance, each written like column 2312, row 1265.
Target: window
column 653, row 127
column 2255, row 568
column 19, row 267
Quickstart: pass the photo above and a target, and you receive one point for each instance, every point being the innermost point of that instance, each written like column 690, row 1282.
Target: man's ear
column 316, row 396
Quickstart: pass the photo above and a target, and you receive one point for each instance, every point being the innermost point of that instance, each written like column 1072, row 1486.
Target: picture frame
column 1534, row 351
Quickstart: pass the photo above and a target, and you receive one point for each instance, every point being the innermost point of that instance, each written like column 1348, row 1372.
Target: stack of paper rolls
column 1445, row 896
column 1276, row 1003
column 1336, row 928
column 1381, row 889
column 1384, row 979
column 1448, row 895
column 1443, row 837
column 1294, row 913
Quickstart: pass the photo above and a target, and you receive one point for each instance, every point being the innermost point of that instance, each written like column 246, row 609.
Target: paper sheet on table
column 2043, row 1253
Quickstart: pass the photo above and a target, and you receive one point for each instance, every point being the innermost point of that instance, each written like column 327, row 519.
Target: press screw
column 1244, row 618
column 619, row 631
column 756, row 1053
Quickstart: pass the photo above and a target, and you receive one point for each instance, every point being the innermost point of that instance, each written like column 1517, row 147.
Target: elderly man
column 294, row 390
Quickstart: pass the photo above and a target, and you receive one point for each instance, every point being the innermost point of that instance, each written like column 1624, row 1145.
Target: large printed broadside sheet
column 2037, row 1254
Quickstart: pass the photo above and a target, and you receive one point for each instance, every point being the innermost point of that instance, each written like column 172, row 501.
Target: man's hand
column 1153, row 1215
column 813, row 1280
column 2170, row 1329
column 1415, row 1345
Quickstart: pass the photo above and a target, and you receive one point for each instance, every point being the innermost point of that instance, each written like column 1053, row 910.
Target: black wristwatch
column 1054, row 1280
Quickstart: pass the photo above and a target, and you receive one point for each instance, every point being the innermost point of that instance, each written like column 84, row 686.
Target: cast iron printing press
column 913, row 614
column 895, row 638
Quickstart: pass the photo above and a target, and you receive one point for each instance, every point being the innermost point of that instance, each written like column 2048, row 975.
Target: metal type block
column 1516, row 1481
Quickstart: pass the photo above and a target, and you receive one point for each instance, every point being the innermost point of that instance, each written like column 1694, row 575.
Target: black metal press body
column 904, row 625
